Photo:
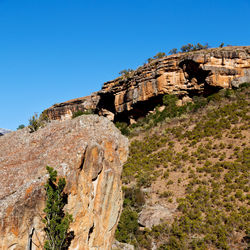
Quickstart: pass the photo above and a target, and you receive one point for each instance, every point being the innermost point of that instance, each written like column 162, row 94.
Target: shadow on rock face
column 196, row 76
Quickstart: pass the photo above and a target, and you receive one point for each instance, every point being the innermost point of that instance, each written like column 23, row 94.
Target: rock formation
column 89, row 152
column 154, row 215
column 4, row 131
column 184, row 74
column 122, row 246
column 65, row 110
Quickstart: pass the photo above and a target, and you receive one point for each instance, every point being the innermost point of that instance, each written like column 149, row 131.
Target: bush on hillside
column 159, row 55
column 21, row 126
column 126, row 73
column 123, row 127
column 190, row 47
column 173, row 51
column 212, row 212
column 36, row 122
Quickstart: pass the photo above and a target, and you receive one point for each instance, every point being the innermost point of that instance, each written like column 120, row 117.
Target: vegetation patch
column 80, row 112
column 197, row 164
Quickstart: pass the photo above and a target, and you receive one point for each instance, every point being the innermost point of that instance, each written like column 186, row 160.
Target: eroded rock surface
column 122, row 246
column 154, row 215
column 89, row 152
column 184, row 74
column 65, row 110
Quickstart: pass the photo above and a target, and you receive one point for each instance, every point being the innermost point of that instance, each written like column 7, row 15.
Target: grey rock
column 122, row 246
column 154, row 215
column 238, row 81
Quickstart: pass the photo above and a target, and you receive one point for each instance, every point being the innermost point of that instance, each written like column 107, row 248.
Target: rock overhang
column 184, row 74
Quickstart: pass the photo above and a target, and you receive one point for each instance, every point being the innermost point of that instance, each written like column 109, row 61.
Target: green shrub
column 159, row 55
column 21, row 126
column 214, row 206
column 170, row 182
column 80, row 112
column 144, row 180
column 77, row 113
column 166, row 174
column 126, row 73
column 133, row 198
column 127, row 226
column 244, row 85
column 123, row 127
column 56, row 221
column 127, row 229
column 190, row 47
column 166, row 194
column 170, row 100
column 36, row 122
column 173, row 51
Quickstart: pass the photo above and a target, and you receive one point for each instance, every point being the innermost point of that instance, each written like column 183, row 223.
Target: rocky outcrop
column 65, row 110
column 154, row 215
column 4, row 131
column 89, row 152
column 122, row 246
column 184, row 74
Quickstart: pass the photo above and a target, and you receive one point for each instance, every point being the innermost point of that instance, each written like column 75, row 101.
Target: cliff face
column 184, row 74
column 89, row 152
column 65, row 110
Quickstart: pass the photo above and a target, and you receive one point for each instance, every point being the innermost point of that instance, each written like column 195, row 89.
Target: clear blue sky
column 55, row 50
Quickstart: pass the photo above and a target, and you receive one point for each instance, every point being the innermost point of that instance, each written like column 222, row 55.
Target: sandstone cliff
column 184, row 74
column 89, row 152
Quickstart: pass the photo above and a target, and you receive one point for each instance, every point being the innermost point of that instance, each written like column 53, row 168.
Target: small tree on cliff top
column 56, row 221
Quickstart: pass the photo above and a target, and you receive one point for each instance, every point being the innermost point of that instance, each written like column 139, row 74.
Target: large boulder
column 89, row 152
column 154, row 215
column 122, row 246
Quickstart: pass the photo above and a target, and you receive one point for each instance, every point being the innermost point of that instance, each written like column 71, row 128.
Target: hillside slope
column 186, row 181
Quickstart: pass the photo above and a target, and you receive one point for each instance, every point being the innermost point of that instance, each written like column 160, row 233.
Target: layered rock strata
column 89, row 152
column 184, row 74
column 65, row 110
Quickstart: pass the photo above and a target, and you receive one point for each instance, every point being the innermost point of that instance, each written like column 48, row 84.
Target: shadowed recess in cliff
column 107, row 101
column 83, row 159
column 195, row 75
column 139, row 110
column 91, row 230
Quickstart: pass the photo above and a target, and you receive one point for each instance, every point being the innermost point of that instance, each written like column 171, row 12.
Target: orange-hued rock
column 89, row 152
column 65, row 110
column 184, row 74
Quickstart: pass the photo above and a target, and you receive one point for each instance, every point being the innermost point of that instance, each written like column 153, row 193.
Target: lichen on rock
column 89, row 152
